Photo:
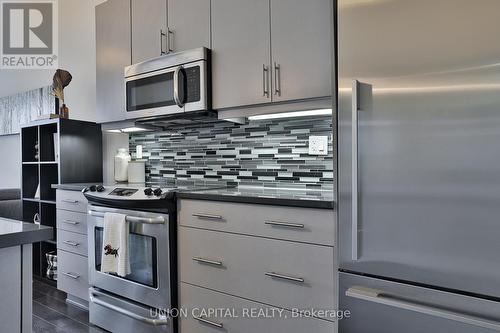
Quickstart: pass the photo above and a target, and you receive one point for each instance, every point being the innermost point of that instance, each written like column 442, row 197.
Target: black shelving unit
column 76, row 157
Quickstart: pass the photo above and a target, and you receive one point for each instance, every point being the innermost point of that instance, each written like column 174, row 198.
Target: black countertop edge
column 29, row 234
column 73, row 186
column 304, row 203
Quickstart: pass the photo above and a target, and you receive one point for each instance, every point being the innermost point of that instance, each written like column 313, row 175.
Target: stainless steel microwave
column 173, row 84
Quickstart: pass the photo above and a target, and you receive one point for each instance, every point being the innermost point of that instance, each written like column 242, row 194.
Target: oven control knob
column 158, row 192
column 148, row 191
column 93, row 188
column 100, row 188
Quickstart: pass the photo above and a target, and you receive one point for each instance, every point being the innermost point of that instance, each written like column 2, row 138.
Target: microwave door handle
column 178, row 72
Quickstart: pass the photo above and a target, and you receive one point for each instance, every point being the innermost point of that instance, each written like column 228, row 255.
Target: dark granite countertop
column 14, row 233
column 267, row 196
column 247, row 194
column 73, row 186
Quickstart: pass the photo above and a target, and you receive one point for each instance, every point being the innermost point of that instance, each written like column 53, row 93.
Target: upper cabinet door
column 301, row 49
column 241, row 52
column 112, row 55
column 189, row 24
column 149, row 29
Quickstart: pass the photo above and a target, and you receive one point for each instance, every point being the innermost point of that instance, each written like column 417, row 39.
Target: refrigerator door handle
column 354, row 170
column 381, row 297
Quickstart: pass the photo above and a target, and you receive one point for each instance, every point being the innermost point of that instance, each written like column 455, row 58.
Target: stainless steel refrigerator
column 419, row 165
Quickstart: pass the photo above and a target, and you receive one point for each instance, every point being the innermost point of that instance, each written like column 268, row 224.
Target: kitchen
column 255, row 166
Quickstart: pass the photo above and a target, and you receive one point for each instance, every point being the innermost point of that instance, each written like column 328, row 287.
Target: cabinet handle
column 170, row 42
column 73, row 202
column 207, row 216
column 72, row 275
column 265, row 81
column 71, row 243
column 162, row 34
column 209, row 322
column 277, row 79
column 285, row 277
column 207, row 261
column 285, row 224
column 71, row 222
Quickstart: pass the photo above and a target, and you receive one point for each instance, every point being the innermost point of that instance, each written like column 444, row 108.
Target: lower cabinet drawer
column 72, row 221
column 72, row 274
column 72, row 242
column 281, row 273
column 237, row 315
column 73, row 201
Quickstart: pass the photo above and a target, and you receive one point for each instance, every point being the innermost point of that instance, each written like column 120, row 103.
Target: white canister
column 122, row 158
column 137, row 172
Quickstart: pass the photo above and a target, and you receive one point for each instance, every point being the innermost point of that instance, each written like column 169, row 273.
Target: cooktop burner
column 145, row 192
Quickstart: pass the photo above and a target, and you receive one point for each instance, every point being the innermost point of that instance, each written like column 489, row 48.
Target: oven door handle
column 134, row 219
column 150, row 321
column 177, row 74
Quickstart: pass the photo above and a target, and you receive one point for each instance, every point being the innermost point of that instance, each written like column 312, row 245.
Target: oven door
column 149, row 280
column 167, row 91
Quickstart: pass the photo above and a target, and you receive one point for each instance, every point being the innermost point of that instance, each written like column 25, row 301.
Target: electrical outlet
column 318, row 145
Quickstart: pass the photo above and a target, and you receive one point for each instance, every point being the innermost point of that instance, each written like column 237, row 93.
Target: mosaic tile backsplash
column 266, row 153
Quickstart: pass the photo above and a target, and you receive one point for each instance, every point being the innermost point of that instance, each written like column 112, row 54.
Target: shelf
column 50, row 282
column 29, row 137
column 31, row 180
column 50, row 242
column 48, row 142
column 53, row 202
column 37, row 163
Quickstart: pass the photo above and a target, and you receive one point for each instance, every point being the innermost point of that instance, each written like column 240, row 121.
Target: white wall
column 10, row 169
column 77, row 55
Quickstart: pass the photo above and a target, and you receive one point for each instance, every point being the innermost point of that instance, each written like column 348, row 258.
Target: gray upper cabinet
column 240, row 52
column 189, row 24
column 112, row 55
column 270, row 51
column 149, row 29
column 301, row 46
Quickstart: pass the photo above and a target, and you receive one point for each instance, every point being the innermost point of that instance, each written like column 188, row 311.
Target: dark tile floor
column 51, row 313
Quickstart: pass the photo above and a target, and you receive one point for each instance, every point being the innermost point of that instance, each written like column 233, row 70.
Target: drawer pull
column 285, row 277
column 285, row 224
column 71, row 243
column 207, row 216
column 207, row 261
column 209, row 322
column 74, row 202
column 71, row 222
column 72, row 275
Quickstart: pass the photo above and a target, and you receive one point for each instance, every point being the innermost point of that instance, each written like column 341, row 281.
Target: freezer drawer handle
column 380, row 297
column 285, row 277
column 284, row 224
column 209, row 322
column 150, row 321
column 72, row 275
column 207, row 216
column 71, row 243
column 207, row 261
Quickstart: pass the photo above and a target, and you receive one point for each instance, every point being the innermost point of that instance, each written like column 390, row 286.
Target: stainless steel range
column 131, row 303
